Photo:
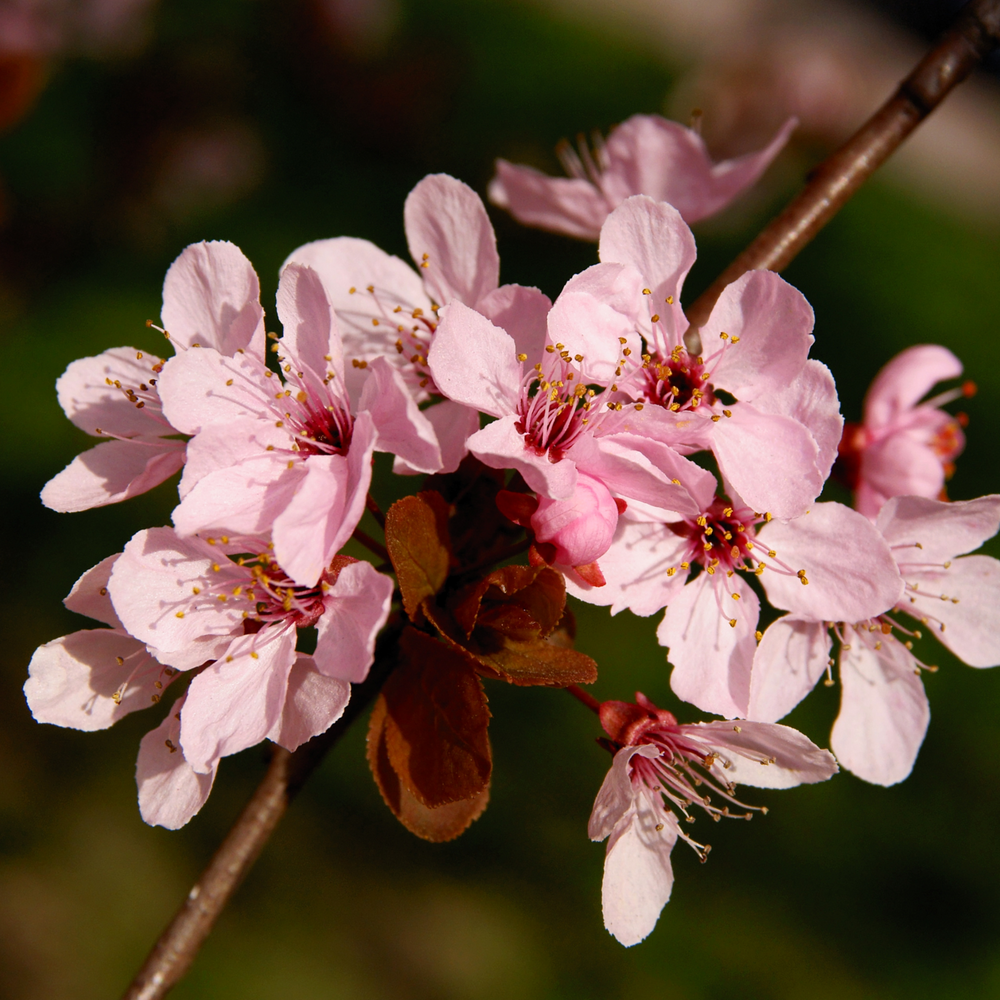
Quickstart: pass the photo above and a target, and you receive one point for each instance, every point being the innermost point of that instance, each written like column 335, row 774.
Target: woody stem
column 183, row 937
column 972, row 36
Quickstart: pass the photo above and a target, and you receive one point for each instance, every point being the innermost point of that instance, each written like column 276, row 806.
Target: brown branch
column 180, row 942
column 584, row 696
column 973, row 35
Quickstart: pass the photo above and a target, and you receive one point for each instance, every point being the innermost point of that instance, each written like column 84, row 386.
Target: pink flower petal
column 474, row 362
column 581, row 527
column 111, row 472
column 325, row 508
column 202, row 387
column 638, row 877
column 368, row 319
column 712, row 659
column 311, row 337
column 522, row 312
column 651, row 155
column 245, row 499
column 152, row 584
column 211, row 298
column 357, row 607
column 596, row 310
column 453, row 425
column 652, row 237
column 500, row 446
column 451, row 239
column 773, row 322
column 811, row 399
column 771, row 460
column 790, row 659
column 851, row 571
column 95, row 406
column 794, row 758
column 635, row 569
column 967, row 621
column 571, row 206
column 402, row 429
column 313, row 703
column 932, row 531
column 902, row 464
column 90, row 596
column 883, row 713
column 905, row 380
column 221, row 446
column 615, row 797
column 71, row 680
column 236, row 701
column 170, row 790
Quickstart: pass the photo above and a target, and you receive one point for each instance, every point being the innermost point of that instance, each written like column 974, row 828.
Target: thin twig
column 972, row 36
column 377, row 548
column 180, row 942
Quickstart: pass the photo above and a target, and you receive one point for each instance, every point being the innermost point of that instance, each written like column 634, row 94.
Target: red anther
column 969, row 389
column 621, row 505
column 963, row 418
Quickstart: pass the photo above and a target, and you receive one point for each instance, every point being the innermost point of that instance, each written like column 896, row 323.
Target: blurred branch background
column 131, row 128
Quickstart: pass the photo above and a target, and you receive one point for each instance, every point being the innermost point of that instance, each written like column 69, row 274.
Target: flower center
column 553, row 411
column 677, row 382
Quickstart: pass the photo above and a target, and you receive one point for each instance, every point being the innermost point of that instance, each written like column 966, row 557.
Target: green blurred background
column 273, row 123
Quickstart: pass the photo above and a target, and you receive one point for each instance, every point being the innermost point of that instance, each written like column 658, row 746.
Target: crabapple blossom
column 190, row 605
column 698, row 567
column 769, row 414
column 662, row 769
column 388, row 310
column 904, row 447
column 289, row 453
column 210, row 299
column 883, row 710
column 646, row 154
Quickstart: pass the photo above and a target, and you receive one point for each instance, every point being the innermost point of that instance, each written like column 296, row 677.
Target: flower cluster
column 640, row 463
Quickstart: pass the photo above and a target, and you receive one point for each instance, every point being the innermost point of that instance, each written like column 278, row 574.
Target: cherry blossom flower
column 647, row 155
column 210, row 299
column 698, row 567
column 386, row 309
column 904, row 447
column 661, row 769
column 883, row 710
column 289, row 453
column 769, row 414
column 558, row 420
column 184, row 606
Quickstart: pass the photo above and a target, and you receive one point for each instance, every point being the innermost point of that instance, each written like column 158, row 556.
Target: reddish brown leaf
column 522, row 662
column 538, row 591
column 443, row 823
column 416, row 535
column 436, row 724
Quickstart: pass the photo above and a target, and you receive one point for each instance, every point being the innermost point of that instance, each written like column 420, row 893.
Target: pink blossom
column 903, row 446
column 210, row 299
column 289, row 453
column 884, row 711
column 388, row 310
column 661, row 769
column 552, row 415
column 228, row 622
column 769, row 414
column 647, row 155
column 698, row 568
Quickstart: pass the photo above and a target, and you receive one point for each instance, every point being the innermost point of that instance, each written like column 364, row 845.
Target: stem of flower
column 180, row 942
column 583, row 696
column 973, row 35
column 369, row 543
column 375, row 511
